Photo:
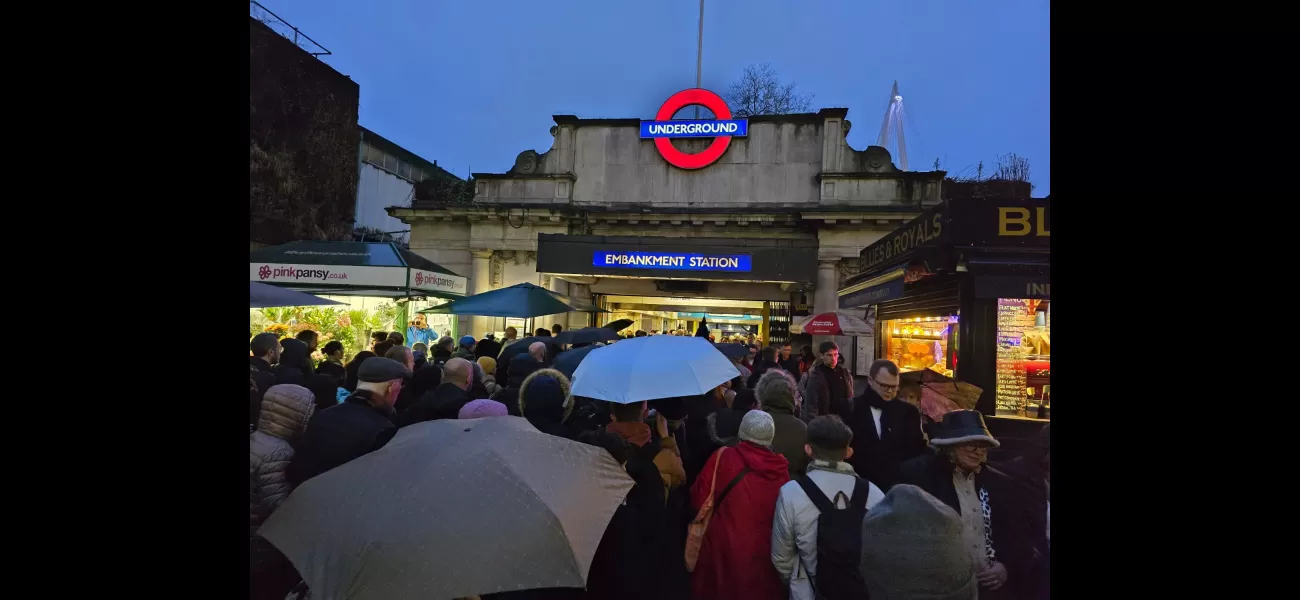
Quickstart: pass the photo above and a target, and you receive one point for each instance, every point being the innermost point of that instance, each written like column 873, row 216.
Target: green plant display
column 350, row 327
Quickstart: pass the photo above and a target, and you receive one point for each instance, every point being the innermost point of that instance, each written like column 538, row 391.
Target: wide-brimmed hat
column 961, row 427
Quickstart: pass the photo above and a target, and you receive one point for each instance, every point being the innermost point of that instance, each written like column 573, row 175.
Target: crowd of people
column 784, row 482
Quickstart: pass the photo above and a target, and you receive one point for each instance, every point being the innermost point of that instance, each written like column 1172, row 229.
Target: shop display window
column 1024, row 358
column 921, row 343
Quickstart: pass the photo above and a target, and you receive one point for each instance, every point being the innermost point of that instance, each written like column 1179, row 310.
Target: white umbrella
column 653, row 367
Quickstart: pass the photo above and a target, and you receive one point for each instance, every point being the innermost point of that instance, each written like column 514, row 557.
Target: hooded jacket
column 791, row 433
column 547, row 405
column 286, row 409
column 735, row 560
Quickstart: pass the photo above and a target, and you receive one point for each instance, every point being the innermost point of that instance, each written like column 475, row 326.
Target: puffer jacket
column 794, row 527
column 285, row 412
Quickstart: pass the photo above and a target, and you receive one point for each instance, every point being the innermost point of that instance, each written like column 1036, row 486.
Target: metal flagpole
column 699, row 54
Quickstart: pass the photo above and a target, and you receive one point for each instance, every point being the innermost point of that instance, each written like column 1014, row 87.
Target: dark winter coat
column 760, row 368
column 444, row 402
column 791, row 366
column 878, row 459
column 264, row 378
column 648, row 542
column 619, row 570
column 295, row 364
column 489, row 348
column 339, row 434
column 1012, row 545
column 286, row 409
column 824, row 397
column 1029, row 486
column 699, row 443
column 333, row 369
column 521, row 366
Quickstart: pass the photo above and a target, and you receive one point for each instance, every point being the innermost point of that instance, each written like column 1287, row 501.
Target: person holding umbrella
column 628, row 422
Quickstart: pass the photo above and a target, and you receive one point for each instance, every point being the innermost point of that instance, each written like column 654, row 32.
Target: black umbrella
column 619, row 324
column 515, row 349
column 587, row 335
column 567, row 362
column 733, row 351
column 703, row 331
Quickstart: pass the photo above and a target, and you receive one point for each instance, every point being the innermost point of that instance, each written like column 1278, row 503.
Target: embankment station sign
column 672, row 261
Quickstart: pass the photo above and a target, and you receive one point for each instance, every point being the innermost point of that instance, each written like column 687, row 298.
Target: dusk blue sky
column 471, row 84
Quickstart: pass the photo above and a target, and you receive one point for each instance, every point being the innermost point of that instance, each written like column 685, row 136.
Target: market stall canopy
column 522, row 300
column 832, row 323
column 261, row 295
column 354, row 269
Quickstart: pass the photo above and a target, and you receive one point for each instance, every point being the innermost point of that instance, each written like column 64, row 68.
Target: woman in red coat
column 735, row 560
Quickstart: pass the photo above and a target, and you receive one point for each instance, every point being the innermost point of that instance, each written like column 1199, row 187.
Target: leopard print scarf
column 988, row 523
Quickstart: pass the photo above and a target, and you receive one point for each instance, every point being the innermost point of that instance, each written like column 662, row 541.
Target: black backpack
column 839, row 543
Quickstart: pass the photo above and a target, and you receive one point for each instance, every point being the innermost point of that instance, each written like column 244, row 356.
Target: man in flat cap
column 361, row 424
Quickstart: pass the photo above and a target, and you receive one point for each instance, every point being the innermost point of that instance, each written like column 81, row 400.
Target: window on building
column 374, row 155
column 417, row 174
column 920, row 343
column 404, row 169
column 390, row 163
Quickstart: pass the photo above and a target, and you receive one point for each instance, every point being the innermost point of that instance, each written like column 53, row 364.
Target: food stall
column 964, row 290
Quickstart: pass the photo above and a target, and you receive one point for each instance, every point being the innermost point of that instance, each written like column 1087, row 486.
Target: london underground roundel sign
column 663, row 129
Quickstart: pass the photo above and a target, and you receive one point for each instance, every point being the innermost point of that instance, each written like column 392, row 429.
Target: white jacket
column 795, row 523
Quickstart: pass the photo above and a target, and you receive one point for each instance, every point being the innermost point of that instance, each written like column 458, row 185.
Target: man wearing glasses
column 886, row 432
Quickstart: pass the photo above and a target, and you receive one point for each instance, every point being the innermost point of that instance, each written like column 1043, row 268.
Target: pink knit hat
column 483, row 408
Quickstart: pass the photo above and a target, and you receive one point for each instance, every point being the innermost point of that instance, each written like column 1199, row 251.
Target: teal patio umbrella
column 524, row 300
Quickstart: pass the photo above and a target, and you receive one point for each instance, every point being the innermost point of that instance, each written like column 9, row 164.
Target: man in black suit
column 886, row 432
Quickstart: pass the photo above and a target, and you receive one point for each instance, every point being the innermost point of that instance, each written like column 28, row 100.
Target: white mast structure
column 894, row 124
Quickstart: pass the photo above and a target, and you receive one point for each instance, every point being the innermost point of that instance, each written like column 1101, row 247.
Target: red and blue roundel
column 721, row 129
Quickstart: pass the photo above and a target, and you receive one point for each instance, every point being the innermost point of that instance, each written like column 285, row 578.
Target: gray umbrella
column 449, row 509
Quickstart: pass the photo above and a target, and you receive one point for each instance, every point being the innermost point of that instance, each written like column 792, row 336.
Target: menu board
column 1015, row 317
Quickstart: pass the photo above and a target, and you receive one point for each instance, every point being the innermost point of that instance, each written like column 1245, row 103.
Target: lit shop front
column 737, row 286
column 965, row 290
